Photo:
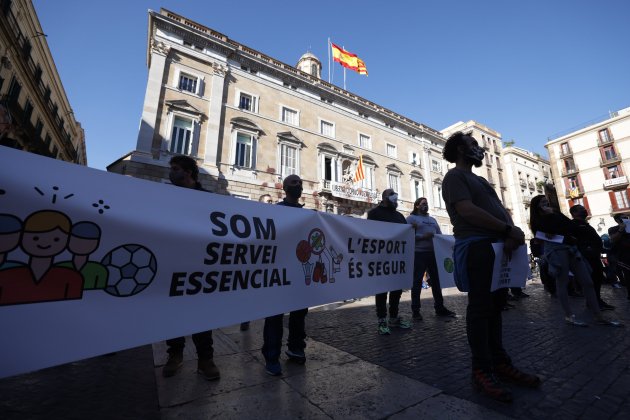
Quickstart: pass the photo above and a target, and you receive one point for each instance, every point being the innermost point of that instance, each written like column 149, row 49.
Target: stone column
column 159, row 51
column 216, row 86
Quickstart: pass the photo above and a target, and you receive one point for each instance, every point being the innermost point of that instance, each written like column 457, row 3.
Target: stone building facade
column 35, row 114
column 250, row 120
column 590, row 167
column 526, row 175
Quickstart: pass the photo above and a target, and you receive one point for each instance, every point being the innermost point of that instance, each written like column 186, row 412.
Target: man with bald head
column 386, row 212
column 272, row 333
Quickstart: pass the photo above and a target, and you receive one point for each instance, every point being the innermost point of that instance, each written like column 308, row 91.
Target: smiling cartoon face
column 44, row 244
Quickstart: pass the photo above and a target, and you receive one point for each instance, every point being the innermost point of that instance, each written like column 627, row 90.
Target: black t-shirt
column 386, row 214
column 459, row 185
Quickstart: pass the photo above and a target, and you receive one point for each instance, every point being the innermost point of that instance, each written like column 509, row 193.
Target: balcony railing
column 24, row 128
column 348, row 191
column 527, row 200
column 565, row 152
column 620, row 208
column 523, row 183
column 491, row 181
column 531, row 185
column 614, row 183
column 610, row 160
column 569, row 171
column 602, row 142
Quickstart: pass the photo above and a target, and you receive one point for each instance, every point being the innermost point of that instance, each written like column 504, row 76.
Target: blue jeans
column 273, row 331
column 422, row 262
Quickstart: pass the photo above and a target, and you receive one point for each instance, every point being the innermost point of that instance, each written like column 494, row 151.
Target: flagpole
column 328, row 59
column 344, row 72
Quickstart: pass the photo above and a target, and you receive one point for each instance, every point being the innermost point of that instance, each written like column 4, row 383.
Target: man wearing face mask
column 185, row 173
column 386, row 212
column 590, row 246
column 479, row 219
column 272, row 333
column 425, row 228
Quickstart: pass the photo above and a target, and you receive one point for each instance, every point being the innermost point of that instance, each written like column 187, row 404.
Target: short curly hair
column 188, row 164
column 450, row 148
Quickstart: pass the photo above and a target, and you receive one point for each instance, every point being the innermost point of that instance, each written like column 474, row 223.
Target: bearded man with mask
column 273, row 330
column 185, row 173
column 479, row 219
column 386, row 212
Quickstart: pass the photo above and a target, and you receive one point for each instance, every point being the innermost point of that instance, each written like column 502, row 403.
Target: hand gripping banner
column 93, row 262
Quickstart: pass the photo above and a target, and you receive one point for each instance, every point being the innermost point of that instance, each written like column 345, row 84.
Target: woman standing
column 424, row 259
column 564, row 257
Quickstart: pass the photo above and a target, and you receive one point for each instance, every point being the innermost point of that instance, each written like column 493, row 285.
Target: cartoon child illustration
column 45, row 235
column 10, row 230
column 84, row 240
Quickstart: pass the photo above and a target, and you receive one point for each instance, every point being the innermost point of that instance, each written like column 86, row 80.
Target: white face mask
column 393, row 198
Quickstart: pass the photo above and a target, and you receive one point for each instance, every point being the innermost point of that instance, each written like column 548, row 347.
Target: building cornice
column 202, row 36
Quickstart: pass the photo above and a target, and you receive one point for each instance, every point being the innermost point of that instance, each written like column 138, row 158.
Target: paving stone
column 442, row 407
column 273, row 400
column 376, row 392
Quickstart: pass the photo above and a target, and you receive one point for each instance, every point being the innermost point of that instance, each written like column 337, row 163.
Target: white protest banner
column 93, row 262
column 549, row 238
column 509, row 272
column 443, row 247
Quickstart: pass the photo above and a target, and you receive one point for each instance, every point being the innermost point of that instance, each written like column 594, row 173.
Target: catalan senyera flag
column 348, row 59
column 359, row 174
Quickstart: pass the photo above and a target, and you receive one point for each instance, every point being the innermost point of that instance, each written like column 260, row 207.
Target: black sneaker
column 296, row 356
column 416, row 315
column 488, row 384
column 445, row 312
column 173, row 364
column 508, row 372
column 207, row 369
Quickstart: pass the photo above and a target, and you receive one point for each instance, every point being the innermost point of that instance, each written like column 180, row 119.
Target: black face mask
column 581, row 214
column 177, row 178
column 475, row 155
column 294, row 191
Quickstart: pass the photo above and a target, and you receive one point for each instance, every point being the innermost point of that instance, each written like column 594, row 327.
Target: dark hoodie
column 386, row 214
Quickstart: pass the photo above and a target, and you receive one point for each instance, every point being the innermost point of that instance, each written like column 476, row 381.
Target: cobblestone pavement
column 586, row 371
column 119, row 386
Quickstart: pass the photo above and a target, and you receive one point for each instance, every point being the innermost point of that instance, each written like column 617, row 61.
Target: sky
column 527, row 69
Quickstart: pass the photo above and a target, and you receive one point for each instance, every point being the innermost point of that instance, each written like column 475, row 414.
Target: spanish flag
column 348, row 60
column 359, row 174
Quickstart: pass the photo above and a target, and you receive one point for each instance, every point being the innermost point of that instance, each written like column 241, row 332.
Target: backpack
column 606, row 242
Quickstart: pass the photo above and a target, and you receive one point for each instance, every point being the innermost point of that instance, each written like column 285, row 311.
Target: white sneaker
column 574, row 321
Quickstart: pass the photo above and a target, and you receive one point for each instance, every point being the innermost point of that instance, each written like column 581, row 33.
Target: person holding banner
column 265, row 198
column 185, row 173
column 386, row 212
column 425, row 227
column 479, row 219
column 273, row 330
column 562, row 255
